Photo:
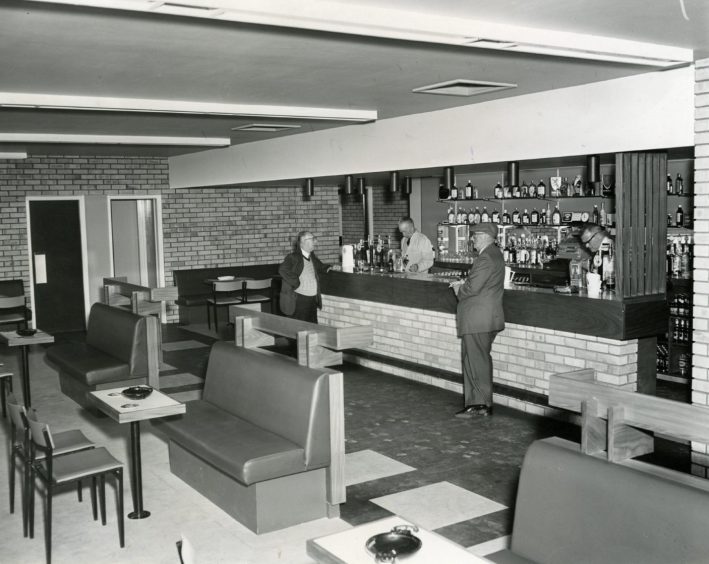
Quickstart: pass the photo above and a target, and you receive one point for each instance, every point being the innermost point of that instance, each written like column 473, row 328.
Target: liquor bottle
column 556, row 216
column 471, row 216
column 670, row 187
column 679, row 216
column 443, row 192
column 679, row 184
column 525, row 218
column 513, row 251
column 564, row 189
column 543, row 217
column 506, row 253
column 524, row 189
column 485, row 217
column 516, row 219
column 506, row 191
column 454, row 192
column 506, row 219
column 541, row 189
column 532, row 190
column 516, row 192
column 547, row 215
column 578, row 186
column 495, row 216
column 468, row 191
column 609, row 268
column 498, row 190
column 669, row 220
column 451, row 215
column 534, row 217
column 533, row 256
column 476, row 215
column 685, row 260
column 603, row 216
column 595, row 217
column 461, row 217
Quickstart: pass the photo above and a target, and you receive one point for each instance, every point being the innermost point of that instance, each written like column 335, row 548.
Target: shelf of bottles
column 674, row 349
column 377, row 255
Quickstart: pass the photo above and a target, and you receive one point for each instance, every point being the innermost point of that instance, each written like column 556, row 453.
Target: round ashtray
column 26, row 332
column 137, row 392
column 397, row 543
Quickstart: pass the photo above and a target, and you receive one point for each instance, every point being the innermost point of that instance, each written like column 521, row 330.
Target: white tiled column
column 700, row 337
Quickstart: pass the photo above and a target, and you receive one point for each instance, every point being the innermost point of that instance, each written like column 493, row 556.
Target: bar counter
column 413, row 318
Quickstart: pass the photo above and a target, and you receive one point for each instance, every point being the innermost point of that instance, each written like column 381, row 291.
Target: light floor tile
column 438, row 505
column 366, row 465
column 485, row 548
column 182, row 379
column 182, row 345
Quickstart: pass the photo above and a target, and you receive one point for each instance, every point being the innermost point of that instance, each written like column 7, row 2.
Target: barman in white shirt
column 416, row 249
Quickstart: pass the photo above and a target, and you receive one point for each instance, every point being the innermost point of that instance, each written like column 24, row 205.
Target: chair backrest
column 228, row 286
column 257, row 284
column 13, row 302
column 11, row 288
column 17, row 411
column 40, row 432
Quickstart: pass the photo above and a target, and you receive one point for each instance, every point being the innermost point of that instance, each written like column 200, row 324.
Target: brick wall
column 700, row 322
column 201, row 227
column 524, row 357
column 352, row 218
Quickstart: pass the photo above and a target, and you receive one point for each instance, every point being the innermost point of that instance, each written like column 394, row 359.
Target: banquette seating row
column 258, row 442
column 193, row 292
column 120, row 346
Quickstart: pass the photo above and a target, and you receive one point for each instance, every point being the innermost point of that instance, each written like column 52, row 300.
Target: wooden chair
column 253, row 291
column 65, row 442
column 13, row 310
column 55, row 471
column 224, row 294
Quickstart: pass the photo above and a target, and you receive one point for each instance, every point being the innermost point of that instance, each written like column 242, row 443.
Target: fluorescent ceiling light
column 16, row 155
column 98, row 103
column 397, row 23
column 269, row 127
column 463, row 87
column 113, row 139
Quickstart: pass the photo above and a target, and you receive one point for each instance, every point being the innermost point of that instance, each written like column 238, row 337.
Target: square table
column 12, row 339
column 126, row 410
column 348, row 547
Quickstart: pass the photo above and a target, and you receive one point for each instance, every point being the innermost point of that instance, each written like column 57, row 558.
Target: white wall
column 648, row 111
column 98, row 245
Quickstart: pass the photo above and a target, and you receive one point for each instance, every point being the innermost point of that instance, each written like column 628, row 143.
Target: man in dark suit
column 300, row 287
column 480, row 318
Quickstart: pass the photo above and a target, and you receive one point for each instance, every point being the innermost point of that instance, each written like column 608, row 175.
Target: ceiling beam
column 393, row 23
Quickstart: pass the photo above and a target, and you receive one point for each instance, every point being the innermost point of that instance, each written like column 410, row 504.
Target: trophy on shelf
column 555, row 185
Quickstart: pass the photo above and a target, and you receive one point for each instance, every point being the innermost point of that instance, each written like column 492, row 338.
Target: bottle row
column 681, row 305
column 676, row 187
column 681, row 219
column 679, row 256
column 558, row 188
column 684, row 361
column 536, row 217
column 681, row 330
column 529, row 251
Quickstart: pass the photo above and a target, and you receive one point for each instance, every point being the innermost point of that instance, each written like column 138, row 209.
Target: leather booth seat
column 573, row 507
column 115, row 350
column 262, row 418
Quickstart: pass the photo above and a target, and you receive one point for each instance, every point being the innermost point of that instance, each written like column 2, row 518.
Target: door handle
column 40, row 269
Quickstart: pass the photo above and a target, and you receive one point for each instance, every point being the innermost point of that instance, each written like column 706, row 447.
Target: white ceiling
column 50, row 49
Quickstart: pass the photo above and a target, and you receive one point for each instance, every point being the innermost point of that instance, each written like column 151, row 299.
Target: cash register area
column 407, row 455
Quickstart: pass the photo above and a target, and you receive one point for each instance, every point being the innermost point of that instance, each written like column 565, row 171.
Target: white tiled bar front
column 524, row 357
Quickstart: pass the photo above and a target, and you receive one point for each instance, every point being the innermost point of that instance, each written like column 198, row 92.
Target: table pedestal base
column 139, row 514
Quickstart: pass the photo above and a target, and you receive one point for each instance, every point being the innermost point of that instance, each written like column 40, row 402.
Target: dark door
column 56, row 243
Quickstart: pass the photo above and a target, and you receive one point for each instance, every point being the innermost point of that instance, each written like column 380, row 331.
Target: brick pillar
column 700, row 349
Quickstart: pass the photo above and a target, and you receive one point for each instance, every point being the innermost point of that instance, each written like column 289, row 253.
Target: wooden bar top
column 603, row 316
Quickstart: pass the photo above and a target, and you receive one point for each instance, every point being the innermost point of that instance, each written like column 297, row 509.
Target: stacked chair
column 57, row 459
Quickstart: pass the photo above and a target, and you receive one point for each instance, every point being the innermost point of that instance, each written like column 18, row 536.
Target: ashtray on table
column 137, row 392
column 399, row 542
column 26, row 332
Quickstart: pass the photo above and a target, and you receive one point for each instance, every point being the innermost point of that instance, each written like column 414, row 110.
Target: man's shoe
column 477, row 410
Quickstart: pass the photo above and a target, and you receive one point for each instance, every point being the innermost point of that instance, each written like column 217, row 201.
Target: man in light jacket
column 480, row 318
column 416, row 249
column 300, row 272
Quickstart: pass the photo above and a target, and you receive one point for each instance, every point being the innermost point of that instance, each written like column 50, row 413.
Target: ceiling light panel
column 98, row 103
column 113, row 139
column 266, row 127
column 463, row 87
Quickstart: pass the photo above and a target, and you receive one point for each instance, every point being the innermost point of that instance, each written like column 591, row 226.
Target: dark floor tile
column 481, row 529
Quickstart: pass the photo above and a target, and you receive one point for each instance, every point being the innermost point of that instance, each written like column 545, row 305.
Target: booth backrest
column 119, row 333
column 11, row 288
column 573, row 507
column 274, row 393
